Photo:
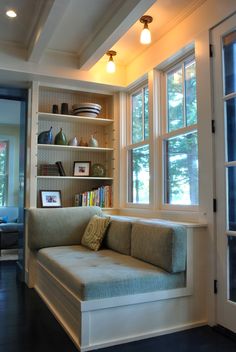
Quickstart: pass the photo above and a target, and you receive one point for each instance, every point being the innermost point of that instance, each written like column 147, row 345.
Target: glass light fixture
column 111, row 67
column 11, row 13
column 145, row 37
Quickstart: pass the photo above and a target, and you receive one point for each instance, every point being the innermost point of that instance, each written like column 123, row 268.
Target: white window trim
column 166, row 135
column 130, row 146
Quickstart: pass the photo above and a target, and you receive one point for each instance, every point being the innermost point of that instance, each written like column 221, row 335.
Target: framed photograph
column 82, row 168
column 50, row 199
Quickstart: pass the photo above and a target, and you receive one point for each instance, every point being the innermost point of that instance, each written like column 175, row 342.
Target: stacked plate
column 86, row 109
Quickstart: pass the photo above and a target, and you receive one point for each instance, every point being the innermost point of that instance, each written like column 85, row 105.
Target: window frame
column 6, row 175
column 131, row 146
column 165, row 135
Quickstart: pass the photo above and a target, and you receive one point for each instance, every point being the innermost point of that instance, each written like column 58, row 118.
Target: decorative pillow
column 95, row 232
column 3, row 219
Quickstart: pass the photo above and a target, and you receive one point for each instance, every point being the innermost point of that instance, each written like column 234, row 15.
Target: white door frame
column 225, row 309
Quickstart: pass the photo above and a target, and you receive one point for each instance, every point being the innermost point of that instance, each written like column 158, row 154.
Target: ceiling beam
column 50, row 13
column 115, row 28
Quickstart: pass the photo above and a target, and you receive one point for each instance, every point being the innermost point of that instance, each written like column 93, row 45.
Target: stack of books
column 52, row 169
column 101, row 197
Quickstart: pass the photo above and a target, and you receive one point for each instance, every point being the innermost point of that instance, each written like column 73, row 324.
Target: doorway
column 224, row 76
column 13, row 118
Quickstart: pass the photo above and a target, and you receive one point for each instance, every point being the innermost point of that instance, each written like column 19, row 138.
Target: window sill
column 182, row 216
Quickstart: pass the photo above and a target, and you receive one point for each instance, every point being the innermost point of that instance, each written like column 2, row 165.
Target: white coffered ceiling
column 86, row 29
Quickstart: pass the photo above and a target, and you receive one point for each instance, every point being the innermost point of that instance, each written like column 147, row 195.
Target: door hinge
column 213, row 126
column 214, row 205
column 211, row 50
column 215, row 287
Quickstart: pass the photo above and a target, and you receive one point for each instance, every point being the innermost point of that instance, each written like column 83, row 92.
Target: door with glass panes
column 224, row 76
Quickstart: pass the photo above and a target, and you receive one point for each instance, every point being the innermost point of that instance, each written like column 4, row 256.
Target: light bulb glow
column 11, row 13
column 111, row 67
column 145, row 37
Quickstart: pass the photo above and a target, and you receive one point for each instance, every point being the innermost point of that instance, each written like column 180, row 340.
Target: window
column 138, row 148
column 3, row 172
column 180, row 140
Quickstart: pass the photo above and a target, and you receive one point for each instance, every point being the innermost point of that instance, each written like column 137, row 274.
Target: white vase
column 93, row 142
column 73, row 142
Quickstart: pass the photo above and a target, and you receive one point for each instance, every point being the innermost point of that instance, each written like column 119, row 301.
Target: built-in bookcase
column 81, row 127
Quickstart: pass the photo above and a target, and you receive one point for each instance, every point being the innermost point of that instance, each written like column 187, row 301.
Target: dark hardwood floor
column 26, row 325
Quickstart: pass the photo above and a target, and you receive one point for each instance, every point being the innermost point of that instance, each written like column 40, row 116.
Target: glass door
column 224, row 75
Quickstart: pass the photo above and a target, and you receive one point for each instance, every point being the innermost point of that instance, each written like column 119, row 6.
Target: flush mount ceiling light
column 111, row 67
column 11, row 13
column 145, row 37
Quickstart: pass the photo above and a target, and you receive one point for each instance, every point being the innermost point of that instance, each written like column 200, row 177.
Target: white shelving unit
column 75, row 178
column 102, row 127
column 79, row 119
column 73, row 148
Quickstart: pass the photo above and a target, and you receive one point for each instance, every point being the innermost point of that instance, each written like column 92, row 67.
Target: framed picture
column 82, row 168
column 50, row 199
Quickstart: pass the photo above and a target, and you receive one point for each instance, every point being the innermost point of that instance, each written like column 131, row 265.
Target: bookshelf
column 81, row 127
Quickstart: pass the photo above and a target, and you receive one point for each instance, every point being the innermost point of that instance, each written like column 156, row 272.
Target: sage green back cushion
column 59, row 226
column 118, row 236
column 160, row 245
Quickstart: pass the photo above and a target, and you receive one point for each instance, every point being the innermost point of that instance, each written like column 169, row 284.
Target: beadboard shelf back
column 81, row 127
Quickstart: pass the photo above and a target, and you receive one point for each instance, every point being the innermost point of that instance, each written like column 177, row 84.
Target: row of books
column 101, row 197
column 56, row 169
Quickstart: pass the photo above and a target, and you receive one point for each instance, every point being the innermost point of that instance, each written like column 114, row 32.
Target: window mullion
column 184, row 94
column 143, row 109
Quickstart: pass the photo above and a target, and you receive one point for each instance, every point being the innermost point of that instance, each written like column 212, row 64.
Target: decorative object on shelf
column 86, row 109
column 45, row 137
column 55, row 109
column 81, row 168
column 73, row 142
column 60, row 168
column 64, row 109
column 50, row 199
column 98, row 170
column 82, row 143
column 60, row 138
column 93, row 142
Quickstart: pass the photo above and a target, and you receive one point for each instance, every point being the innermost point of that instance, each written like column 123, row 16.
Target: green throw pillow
column 95, row 232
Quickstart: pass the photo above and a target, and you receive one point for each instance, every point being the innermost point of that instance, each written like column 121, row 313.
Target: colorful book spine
column 101, row 197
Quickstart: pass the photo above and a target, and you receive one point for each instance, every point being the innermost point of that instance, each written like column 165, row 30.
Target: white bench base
column 105, row 322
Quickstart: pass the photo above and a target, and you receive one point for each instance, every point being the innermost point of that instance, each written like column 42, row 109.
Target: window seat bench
column 138, row 285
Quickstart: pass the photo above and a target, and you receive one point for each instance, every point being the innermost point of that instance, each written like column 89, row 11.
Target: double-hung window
column 3, row 172
column 180, row 137
column 138, row 147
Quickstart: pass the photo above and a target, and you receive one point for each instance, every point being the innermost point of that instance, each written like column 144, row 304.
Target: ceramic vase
column 60, row 138
column 93, row 142
column 45, row 137
column 73, row 142
column 82, row 143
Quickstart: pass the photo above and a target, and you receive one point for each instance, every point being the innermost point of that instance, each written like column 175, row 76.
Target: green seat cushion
column 105, row 273
column 161, row 245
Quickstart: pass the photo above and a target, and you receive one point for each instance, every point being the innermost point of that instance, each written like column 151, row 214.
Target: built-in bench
column 115, row 294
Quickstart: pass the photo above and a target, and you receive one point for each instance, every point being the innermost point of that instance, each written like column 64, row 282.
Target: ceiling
column 86, row 29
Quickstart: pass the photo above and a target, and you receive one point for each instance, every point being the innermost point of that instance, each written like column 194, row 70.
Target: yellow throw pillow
column 95, row 232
